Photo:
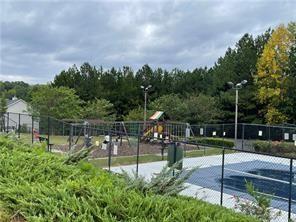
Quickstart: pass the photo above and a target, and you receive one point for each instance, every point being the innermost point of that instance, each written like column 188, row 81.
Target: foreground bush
column 39, row 186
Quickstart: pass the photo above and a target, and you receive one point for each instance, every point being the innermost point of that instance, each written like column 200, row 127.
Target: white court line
column 267, row 178
column 259, row 176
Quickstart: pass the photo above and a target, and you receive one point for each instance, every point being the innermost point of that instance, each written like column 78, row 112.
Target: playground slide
column 153, row 129
column 148, row 131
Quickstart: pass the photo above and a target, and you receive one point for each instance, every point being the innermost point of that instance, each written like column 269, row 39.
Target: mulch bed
column 124, row 149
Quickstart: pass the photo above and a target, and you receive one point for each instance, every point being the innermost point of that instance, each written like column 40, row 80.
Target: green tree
column 99, row 109
column 172, row 105
column 58, row 102
column 19, row 89
column 290, row 101
column 137, row 114
column 238, row 64
column 202, row 109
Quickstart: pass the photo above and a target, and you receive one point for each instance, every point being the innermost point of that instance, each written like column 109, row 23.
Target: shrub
column 165, row 183
column 258, row 207
column 216, row 142
column 41, row 187
column 275, row 147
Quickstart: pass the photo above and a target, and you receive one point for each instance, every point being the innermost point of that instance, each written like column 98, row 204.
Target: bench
column 42, row 139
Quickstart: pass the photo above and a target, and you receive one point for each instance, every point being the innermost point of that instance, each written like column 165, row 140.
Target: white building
column 18, row 113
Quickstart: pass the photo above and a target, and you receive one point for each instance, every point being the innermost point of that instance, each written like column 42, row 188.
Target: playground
column 151, row 139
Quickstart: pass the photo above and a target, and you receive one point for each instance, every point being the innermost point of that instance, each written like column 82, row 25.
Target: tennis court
column 268, row 177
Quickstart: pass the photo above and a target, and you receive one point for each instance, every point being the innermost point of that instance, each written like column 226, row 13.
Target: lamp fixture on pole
column 236, row 87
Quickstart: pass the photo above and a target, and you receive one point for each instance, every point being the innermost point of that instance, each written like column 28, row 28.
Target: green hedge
column 216, row 142
column 275, row 147
column 41, row 187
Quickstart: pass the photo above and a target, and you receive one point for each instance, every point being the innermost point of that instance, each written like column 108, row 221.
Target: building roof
column 13, row 101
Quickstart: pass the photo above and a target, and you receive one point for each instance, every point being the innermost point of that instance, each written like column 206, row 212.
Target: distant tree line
column 267, row 62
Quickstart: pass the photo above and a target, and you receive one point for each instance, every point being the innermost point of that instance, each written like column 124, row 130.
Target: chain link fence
column 262, row 155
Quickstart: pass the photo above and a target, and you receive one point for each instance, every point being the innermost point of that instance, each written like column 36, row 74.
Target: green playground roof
column 156, row 115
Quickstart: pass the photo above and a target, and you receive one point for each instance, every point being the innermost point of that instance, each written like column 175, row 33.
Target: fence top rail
column 149, row 122
column 238, row 150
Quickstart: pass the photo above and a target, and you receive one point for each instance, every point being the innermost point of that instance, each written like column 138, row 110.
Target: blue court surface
column 267, row 177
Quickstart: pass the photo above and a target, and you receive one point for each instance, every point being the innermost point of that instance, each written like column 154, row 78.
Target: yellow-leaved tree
column 272, row 72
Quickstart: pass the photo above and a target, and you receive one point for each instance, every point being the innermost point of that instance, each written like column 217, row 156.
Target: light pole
column 145, row 89
column 236, row 87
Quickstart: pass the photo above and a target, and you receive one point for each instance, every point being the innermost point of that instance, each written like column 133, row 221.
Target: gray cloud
column 40, row 38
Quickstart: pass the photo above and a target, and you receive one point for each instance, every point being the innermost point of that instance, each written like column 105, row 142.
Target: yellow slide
column 156, row 129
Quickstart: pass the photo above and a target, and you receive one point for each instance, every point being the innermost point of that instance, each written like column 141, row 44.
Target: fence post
column 7, row 129
column 290, row 188
column 269, row 137
column 63, row 128
column 32, row 129
column 109, row 151
column 70, row 136
column 243, row 135
column 48, row 132
column 175, row 156
column 223, row 136
column 19, row 126
column 222, row 177
column 138, row 152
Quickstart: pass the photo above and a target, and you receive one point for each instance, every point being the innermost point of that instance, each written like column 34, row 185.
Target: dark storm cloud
column 40, row 38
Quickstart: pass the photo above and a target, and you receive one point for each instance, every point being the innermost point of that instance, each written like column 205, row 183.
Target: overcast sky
column 41, row 38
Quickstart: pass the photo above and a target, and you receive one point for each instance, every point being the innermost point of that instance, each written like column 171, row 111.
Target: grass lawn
column 127, row 160
column 57, row 140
